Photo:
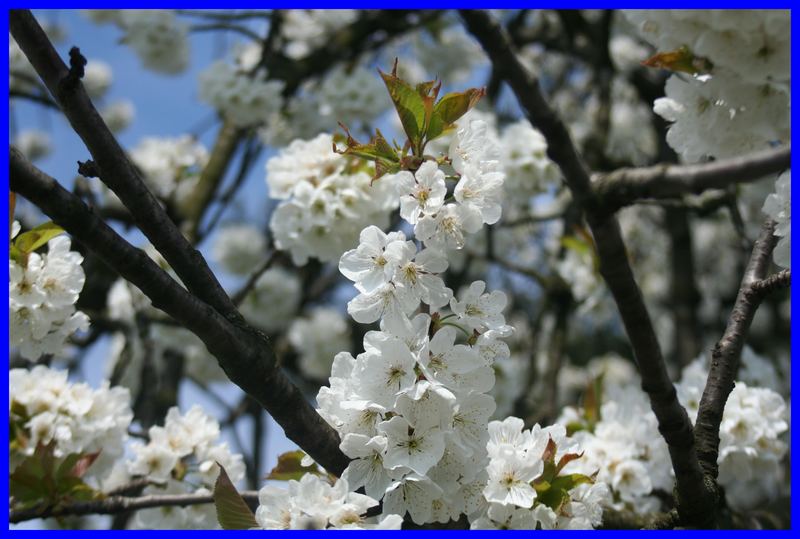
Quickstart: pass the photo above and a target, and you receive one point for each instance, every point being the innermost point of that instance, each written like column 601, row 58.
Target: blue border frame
column 795, row 502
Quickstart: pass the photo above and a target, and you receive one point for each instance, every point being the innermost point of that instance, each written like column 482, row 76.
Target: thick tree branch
column 628, row 520
column 119, row 504
column 243, row 353
column 625, row 186
column 727, row 353
column 696, row 499
column 116, row 170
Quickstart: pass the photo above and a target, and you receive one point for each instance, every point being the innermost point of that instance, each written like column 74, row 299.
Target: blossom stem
column 453, row 324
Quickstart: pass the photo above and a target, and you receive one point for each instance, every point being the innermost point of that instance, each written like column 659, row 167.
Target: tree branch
column 225, row 15
column 727, row 353
column 226, row 26
column 194, row 207
column 696, row 499
column 246, row 288
column 244, row 353
column 35, row 98
column 113, row 505
column 625, row 186
column 116, row 170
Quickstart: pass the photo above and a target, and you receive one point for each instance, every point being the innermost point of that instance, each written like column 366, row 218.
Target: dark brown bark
column 244, row 353
column 727, row 353
column 696, row 499
column 114, row 505
column 625, row 186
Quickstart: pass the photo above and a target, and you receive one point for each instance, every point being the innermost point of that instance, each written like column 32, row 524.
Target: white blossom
column 318, row 338
column 157, row 37
column 77, row 418
column 240, row 248
column 420, row 193
column 41, row 298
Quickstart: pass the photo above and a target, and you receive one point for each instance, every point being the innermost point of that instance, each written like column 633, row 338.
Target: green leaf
column 575, row 244
column 31, row 240
column 29, row 483
column 409, row 104
column 377, row 149
column 429, row 88
column 16, row 255
column 42, row 477
column 556, row 493
column 553, row 497
column 290, row 467
column 591, row 402
column 574, row 427
column 583, row 244
column 233, row 513
column 570, row 481
column 450, row 108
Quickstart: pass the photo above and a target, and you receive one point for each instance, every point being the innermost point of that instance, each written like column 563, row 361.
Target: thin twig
column 214, row 26
column 118, row 504
column 251, row 153
column 36, row 98
column 225, row 15
column 239, row 295
column 727, row 353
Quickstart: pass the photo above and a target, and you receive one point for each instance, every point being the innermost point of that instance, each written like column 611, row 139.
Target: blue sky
column 165, row 106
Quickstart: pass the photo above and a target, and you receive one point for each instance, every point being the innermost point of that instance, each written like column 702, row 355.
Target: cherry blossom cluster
column 623, row 448
column 45, row 407
column 353, row 96
column 239, row 248
column 738, row 99
column 181, row 457
column 326, row 200
column 477, row 195
column 309, row 29
column 312, row 503
column 622, row 445
column 42, row 291
column 170, row 166
column 521, row 152
column 273, row 302
column 754, row 424
column 33, row 143
column 157, row 37
column 184, row 457
column 318, row 338
column 413, row 408
column 241, row 97
column 521, row 473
